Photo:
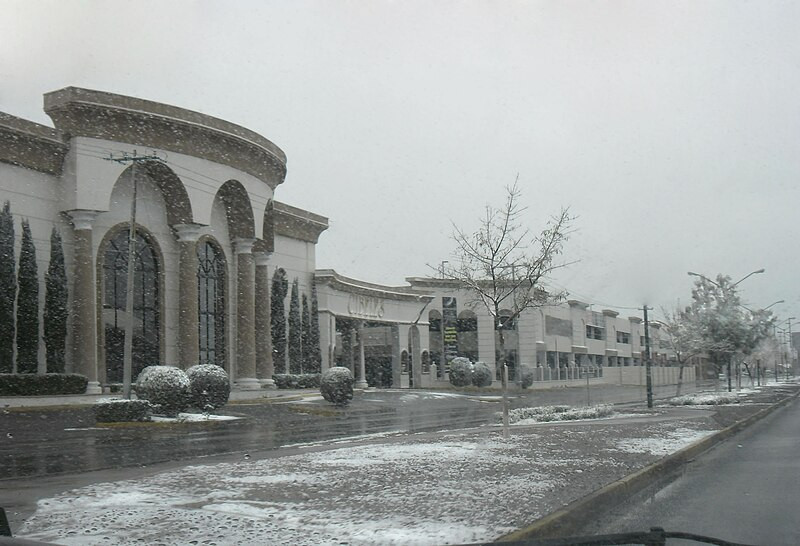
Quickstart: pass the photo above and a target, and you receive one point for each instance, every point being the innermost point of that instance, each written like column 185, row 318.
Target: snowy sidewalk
column 432, row 488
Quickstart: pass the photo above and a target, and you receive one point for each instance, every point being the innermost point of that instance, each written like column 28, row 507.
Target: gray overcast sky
column 670, row 128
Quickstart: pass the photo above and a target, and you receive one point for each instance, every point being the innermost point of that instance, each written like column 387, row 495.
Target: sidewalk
column 432, row 488
column 88, row 399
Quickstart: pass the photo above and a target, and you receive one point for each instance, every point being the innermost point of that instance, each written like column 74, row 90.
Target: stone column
column 188, row 314
column 362, row 367
column 265, row 367
column 84, row 309
column 245, row 316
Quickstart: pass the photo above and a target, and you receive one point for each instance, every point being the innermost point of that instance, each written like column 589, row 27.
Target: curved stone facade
column 196, row 179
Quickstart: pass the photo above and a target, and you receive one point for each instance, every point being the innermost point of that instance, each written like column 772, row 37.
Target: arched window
column 506, row 325
column 146, row 307
column 468, row 334
column 211, row 303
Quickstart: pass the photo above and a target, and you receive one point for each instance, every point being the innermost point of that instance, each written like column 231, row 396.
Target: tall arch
column 436, row 340
column 148, row 346
column 508, row 328
column 211, row 303
column 467, row 327
column 238, row 210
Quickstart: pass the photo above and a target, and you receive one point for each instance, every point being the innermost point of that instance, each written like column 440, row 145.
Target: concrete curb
column 567, row 521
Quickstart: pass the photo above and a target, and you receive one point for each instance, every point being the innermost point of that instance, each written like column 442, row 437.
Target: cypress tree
column 313, row 336
column 295, row 331
column 280, row 287
column 8, row 289
column 307, row 367
column 55, row 306
column 27, row 305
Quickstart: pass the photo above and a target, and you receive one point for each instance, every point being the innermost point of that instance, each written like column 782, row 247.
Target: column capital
column 187, row 233
column 261, row 258
column 82, row 218
column 243, row 245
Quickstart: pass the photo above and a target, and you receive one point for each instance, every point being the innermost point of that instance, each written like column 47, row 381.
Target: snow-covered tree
column 27, row 304
column 8, row 289
column 504, row 265
column 683, row 338
column 295, row 331
column 55, row 306
column 280, row 287
column 722, row 324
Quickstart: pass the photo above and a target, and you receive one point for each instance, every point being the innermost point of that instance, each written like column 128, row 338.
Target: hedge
column 122, row 411
column 42, row 385
column 297, row 380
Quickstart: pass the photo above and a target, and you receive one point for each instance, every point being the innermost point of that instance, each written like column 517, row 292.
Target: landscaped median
column 432, row 488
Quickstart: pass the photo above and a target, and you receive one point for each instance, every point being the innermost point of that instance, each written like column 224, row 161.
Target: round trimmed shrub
column 165, row 387
column 209, row 387
column 460, row 372
column 481, row 375
column 526, row 376
column 336, row 385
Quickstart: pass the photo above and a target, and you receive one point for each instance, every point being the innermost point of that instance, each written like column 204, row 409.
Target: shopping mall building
column 209, row 237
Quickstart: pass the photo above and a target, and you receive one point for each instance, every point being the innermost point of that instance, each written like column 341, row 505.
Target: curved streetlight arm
column 757, row 271
column 749, row 275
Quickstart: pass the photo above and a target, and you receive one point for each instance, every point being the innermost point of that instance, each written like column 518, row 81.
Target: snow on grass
column 704, row 399
column 432, row 489
column 669, row 443
column 526, row 416
column 193, row 418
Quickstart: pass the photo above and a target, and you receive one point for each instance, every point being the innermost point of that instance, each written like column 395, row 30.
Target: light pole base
column 247, row 384
column 93, row 387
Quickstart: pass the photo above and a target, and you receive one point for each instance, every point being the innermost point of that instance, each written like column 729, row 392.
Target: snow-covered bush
column 336, row 385
column 165, row 387
column 526, row 375
column 481, row 375
column 29, row 384
column 558, row 413
column 113, row 410
column 209, row 386
column 704, row 399
column 460, row 372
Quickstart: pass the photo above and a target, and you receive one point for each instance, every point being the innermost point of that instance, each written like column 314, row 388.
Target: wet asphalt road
column 54, row 441
column 746, row 490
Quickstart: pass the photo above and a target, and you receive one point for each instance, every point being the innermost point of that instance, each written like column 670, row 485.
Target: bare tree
column 504, row 265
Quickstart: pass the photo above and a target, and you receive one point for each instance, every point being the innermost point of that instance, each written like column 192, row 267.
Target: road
column 745, row 490
column 61, row 440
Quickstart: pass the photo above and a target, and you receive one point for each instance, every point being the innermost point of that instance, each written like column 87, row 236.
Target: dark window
column 594, row 332
column 146, row 311
column 623, row 337
column 211, row 303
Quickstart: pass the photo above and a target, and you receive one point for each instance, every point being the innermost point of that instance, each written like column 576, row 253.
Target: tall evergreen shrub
column 315, row 359
column 55, row 306
column 8, row 289
column 306, row 334
column 295, row 331
column 27, row 305
column 280, row 287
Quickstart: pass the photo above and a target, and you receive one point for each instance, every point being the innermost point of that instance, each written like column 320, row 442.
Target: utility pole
column 127, row 359
column 647, row 358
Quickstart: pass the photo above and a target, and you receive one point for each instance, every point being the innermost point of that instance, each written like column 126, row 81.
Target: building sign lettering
column 365, row 306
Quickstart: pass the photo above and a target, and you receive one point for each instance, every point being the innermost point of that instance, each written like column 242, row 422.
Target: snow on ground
column 439, row 488
column 193, row 418
column 673, row 441
column 705, row 399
